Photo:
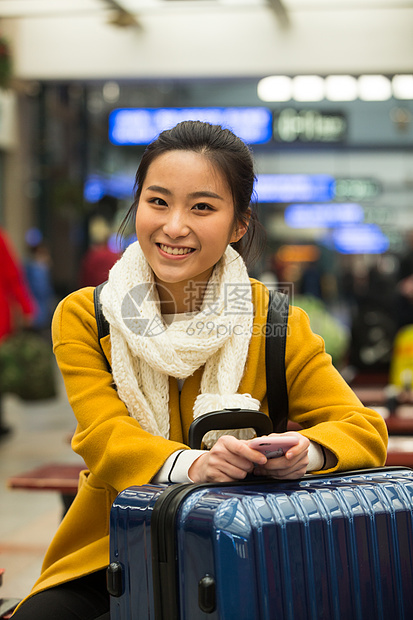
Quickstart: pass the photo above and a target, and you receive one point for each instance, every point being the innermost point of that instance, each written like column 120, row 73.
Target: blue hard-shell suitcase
column 331, row 547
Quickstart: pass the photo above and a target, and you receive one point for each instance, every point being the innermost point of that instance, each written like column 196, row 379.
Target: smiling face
column 184, row 222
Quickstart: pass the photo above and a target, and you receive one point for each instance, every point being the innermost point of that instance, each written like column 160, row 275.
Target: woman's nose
column 176, row 225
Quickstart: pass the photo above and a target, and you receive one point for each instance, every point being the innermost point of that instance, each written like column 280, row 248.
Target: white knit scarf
column 145, row 352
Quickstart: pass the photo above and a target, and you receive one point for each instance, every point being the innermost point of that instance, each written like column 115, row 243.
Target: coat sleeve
column 325, row 406
column 113, row 445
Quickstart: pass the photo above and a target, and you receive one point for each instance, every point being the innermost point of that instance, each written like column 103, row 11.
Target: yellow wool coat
column 118, row 453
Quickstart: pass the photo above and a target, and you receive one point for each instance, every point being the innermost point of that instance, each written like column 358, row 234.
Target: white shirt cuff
column 316, row 457
column 176, row 467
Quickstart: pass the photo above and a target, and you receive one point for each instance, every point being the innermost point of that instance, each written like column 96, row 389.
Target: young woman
column 187, row 336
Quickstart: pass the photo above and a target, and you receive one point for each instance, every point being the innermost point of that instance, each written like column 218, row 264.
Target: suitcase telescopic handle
column 227, row 419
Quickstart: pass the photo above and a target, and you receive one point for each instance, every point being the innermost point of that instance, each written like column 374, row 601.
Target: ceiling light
column 403, row 86
column 308, row 88
column 111, row 92
column 275, row 88
column 341, row 88
column 374, row 88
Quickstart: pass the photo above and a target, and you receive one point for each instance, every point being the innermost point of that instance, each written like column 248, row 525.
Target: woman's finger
column 231, row 448
column 282, row 468
column 230, row 463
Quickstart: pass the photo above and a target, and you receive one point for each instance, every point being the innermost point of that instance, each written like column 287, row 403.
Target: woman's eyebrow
column 204, row 193
column 158, row 188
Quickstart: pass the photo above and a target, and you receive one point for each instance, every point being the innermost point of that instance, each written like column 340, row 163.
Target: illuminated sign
column 361, row 239
column 142, row 125
column 295, row 187
column 381, row 215
column 117, row 185
column 323, row 215
column 357, row 189
column 298, row 253
column 309, row 126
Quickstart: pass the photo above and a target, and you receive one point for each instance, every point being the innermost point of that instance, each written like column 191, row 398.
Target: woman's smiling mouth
column 174, row 251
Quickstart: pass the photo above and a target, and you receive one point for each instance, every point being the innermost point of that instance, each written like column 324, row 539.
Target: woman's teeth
column 169, row 250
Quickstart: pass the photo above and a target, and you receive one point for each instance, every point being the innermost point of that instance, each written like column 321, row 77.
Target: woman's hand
column 230, row 459
column 292, row 465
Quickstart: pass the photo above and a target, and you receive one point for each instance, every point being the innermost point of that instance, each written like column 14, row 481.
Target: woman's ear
column 241, row 227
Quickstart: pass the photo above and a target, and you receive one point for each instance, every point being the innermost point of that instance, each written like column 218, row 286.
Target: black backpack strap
column 103, row 325
column 275, row 342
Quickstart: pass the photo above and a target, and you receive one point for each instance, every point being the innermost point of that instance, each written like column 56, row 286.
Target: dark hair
column 230, row 155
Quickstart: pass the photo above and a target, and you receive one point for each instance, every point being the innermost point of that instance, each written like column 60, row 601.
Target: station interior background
column 68, row 65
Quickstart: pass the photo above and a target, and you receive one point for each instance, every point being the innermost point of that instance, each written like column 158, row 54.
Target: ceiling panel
column 42, row 8
column 135, row 6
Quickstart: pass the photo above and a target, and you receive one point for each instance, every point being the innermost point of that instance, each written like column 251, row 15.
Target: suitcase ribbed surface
column 328, row 550
column 323, row 548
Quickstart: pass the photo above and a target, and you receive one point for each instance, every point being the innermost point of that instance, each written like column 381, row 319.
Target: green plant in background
column 27, row 366
column 5, row 63
column 336, row 336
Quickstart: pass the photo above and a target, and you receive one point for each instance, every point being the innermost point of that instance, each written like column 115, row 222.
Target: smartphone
column 273, row 447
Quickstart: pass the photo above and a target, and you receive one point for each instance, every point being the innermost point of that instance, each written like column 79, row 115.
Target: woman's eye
column 159, row 202
column 202, row 206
